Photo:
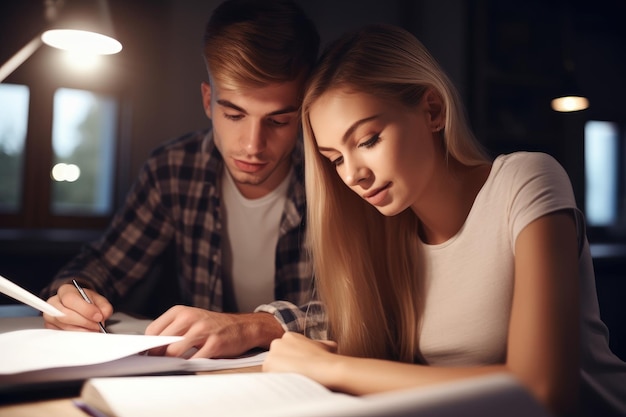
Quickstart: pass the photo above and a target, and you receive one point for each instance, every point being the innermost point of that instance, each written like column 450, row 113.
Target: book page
column 233, row 395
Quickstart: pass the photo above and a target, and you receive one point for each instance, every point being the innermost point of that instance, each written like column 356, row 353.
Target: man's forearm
column 262, row 328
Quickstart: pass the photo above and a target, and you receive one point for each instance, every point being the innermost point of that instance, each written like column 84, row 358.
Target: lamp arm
column 20, row 56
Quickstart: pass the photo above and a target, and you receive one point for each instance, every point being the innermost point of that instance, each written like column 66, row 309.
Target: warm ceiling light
column 569, row 103
column 569, row 97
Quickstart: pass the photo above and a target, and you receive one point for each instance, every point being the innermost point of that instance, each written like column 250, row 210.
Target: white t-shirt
column 469, row 295
column 252, row 226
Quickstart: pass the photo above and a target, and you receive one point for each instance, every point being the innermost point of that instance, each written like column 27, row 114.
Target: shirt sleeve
column 540, row 185
column 309, row 319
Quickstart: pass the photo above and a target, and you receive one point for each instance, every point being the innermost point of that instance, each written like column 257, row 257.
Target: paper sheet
column 32, row 349
column 205, row 364
column 30, row 354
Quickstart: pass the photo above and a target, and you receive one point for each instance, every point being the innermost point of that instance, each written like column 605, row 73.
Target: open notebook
column 293, row 395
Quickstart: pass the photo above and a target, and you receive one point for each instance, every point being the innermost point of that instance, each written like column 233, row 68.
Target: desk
column 63, row 407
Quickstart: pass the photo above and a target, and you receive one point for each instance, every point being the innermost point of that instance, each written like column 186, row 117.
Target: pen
column 86, row 298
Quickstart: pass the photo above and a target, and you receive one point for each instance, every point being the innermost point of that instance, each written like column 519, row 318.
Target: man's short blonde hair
column 252, row 43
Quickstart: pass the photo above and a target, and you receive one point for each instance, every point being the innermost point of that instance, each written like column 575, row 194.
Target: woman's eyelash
column 371, row 141
column 367, row 144
column 337, row 161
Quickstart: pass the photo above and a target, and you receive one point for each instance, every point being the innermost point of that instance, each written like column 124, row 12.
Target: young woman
column 474, row 267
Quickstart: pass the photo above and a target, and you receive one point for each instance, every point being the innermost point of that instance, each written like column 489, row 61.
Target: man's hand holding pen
column 80, row 315
column 88, row 300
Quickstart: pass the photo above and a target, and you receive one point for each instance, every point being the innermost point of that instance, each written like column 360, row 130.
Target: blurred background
column 73, row 135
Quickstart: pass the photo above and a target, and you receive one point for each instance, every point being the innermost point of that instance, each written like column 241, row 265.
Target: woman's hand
column 297, row 353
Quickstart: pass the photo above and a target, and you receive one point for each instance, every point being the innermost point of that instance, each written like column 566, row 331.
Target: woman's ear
column 435, row 109
column 205, row 89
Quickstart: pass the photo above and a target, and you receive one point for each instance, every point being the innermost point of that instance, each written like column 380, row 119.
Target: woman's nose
column 355, row 173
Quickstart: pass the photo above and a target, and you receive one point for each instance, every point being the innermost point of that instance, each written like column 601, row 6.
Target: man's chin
column 249, row 180
column 246, row 178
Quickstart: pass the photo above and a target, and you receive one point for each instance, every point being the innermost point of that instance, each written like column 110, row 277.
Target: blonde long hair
column 367, row 265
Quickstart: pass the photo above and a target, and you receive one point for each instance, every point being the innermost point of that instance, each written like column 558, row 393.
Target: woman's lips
column 377, row 196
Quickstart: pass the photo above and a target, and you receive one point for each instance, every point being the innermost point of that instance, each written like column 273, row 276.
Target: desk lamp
column 83, row 26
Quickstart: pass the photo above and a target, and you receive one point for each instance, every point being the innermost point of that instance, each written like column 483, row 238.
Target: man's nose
column 253, row 141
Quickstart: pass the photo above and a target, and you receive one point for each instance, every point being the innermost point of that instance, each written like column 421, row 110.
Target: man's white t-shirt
column 252, row 226
column 469, row 278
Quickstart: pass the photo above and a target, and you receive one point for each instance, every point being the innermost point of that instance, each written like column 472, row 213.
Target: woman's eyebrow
column 351, row 130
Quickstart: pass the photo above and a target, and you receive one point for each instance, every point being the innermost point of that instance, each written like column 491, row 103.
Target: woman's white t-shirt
column 469, row 278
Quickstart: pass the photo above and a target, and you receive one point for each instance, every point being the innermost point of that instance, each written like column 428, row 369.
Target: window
column 605, row 167
column 58, row 169
column 83, row 142
column 13, row 125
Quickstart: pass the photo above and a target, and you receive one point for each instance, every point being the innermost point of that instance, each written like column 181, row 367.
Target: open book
column 293, row 395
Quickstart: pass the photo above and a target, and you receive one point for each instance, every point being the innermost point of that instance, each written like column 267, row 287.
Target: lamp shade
column 569, row 97
column 83, row 26
column 569, row 103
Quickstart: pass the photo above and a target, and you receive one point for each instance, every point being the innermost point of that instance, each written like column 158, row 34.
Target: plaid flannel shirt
column 176, row 198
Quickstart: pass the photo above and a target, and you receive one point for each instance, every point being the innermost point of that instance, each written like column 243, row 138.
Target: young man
column 231, row 199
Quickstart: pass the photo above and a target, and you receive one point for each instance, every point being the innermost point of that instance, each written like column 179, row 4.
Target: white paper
column 32, row 349
column 204, row 364
column 30, row 354
column 15, row 291
column 129, row 365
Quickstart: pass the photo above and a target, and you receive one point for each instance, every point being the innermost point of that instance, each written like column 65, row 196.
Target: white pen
column 15, row 291
column 86, row 298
